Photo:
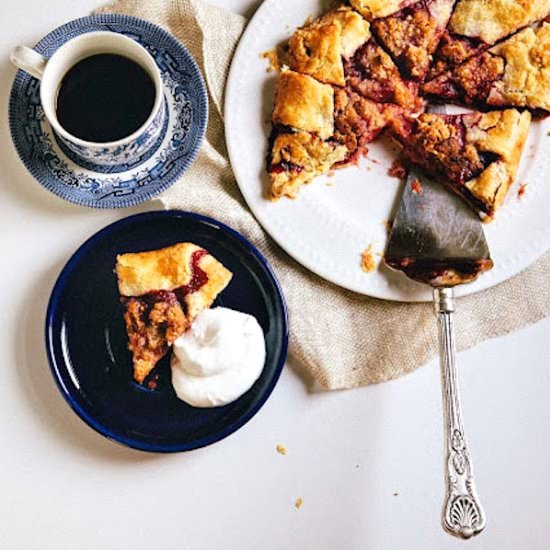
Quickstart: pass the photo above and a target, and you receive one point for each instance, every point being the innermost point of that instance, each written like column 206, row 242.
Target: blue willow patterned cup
column 113, row 156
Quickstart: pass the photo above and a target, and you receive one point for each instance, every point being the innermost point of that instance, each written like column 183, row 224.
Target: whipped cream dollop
column 218, row 359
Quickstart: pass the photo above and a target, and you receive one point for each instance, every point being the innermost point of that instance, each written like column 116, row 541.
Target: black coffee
column 105, row 97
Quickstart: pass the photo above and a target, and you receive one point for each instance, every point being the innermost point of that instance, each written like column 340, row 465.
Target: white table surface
column 368, row 463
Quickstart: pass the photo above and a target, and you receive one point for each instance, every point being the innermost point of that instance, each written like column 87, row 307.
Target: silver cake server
column 436, row 239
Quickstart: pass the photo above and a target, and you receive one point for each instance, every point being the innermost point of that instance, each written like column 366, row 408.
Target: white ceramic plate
column 336, row 217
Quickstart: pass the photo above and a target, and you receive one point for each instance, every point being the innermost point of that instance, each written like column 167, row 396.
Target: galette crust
column 373, row 9
column 502, row 133
column 491, row 21
column 318, row 49
column 526, row 78
column 168, row 269
column 311, row 155
column 304, row 104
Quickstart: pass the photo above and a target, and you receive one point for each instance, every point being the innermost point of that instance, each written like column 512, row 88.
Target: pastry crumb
column 273, row 59
column 397, row 170
column 368, row 264
column 521, row 190
column 281, row 449
column 299, row 502
column 416, row 187
column 329, row 183
column 395, row 494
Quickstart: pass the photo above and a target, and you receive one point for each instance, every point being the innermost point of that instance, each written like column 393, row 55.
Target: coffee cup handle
column 29, row 61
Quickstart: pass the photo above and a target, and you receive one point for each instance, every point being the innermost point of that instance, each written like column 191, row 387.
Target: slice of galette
column 412, row 34
column 371, row 73
column 476, row 25
column 302, row 144
column 514, row 73
column 476, row 154
column 319, row 48
column 162, row 291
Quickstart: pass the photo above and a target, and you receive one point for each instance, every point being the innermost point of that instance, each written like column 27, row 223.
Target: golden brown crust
column 304, row 104
column 318, row 48
column 168, row 269
column 491, row 21
column 526, row 78
column 165, row 269
column 307, row 157
column 504, row 134
column 373, row 9
column 218, row 278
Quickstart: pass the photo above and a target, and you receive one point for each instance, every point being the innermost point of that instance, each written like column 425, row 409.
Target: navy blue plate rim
column 49, row 182
column 51, row 314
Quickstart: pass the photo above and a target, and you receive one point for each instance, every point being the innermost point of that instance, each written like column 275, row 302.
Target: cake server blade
column 436, row 239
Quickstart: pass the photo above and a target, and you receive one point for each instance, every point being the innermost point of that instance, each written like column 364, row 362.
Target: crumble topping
column 273, row 59
column 440, row 148
column 471, row 81
column 372, row 73
column 409, row 37
column 452, row 51
column 357, row 122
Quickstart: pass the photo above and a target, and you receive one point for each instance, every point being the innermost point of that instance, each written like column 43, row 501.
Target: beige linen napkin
column 341, row 338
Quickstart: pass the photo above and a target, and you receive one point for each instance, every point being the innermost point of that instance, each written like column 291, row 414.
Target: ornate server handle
column 463, row 515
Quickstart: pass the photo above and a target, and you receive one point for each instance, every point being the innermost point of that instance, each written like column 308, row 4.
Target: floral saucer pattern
column 180, row 139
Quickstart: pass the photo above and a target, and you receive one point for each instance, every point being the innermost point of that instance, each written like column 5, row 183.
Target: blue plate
column 182, row 136
column 87, row 344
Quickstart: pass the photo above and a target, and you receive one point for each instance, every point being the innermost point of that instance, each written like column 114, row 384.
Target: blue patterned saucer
column 187, row 103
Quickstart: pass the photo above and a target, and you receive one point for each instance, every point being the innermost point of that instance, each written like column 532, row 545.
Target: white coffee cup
column 114, row 155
